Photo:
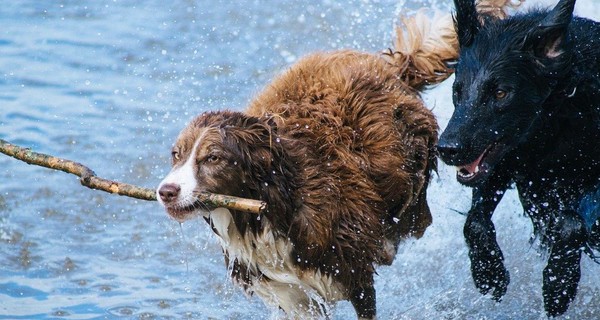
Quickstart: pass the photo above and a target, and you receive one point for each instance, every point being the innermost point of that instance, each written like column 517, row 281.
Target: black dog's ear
column 466, row 22
column 547, row 39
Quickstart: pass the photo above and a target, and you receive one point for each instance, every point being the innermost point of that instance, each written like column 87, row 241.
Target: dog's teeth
column 464, row 173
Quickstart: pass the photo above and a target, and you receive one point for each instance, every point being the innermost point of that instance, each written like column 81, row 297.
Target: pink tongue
column 472, row 167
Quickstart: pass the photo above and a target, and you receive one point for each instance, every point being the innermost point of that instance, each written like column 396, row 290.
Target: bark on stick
column 89, row 179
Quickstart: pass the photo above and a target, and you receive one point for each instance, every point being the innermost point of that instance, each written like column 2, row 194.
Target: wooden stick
column 89, row 179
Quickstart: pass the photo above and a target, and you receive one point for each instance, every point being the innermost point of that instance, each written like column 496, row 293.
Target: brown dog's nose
column 169, row 192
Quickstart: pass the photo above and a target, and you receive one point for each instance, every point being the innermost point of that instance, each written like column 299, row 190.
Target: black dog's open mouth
column 482, row 166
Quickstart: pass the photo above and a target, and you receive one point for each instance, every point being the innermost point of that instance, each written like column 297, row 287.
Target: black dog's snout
column 169, row 192
column 448, row 151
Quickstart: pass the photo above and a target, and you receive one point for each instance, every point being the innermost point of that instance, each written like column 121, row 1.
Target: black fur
column 527, row 100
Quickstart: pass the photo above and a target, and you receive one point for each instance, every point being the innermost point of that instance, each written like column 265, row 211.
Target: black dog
column 527, row 112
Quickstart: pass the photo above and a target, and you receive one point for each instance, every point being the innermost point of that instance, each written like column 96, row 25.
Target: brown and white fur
column 340, row 147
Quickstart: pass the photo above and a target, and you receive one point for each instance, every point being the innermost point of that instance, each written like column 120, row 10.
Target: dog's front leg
column 562, row 273
column 487, row 261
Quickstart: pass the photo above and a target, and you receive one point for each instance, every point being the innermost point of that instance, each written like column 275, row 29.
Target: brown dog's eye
column 500, row 94
column 212, row 158
column 175, row 155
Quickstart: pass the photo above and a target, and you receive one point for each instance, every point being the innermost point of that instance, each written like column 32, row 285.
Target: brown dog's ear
column 243, row 128
column 466, row 21
column 237, row 119
column 547, row 40
column 246, row 133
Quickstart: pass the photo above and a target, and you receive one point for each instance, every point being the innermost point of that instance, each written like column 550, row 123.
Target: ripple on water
column 123, row 310
column 15, row 290
column 36, row 83
column 83, row 309
column 7, row 97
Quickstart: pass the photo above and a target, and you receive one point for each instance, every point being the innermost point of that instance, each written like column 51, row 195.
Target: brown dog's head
column 215, row 153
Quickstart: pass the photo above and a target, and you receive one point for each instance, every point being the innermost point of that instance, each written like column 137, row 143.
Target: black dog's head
column 506, row 72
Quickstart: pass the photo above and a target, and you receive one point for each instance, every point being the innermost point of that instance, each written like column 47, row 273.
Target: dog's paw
column 562, row 273
column 490, row 276
column 560, row 285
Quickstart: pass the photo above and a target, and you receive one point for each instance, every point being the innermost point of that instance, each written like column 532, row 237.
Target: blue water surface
column 111, row 83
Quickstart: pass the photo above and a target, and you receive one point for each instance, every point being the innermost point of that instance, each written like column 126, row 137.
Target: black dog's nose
column 448, row 151
column 169, row 192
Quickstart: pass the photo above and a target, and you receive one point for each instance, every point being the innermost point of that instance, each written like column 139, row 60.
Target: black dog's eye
column 500, row 94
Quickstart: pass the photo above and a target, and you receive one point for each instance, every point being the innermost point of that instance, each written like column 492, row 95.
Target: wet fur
column 341, row 150
column 340, row 146
column 541, row 135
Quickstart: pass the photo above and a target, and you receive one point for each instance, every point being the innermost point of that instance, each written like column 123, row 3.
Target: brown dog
column 340, row 147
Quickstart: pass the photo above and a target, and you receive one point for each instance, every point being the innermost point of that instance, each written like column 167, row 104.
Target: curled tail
column 423, row 47
column 426, row 46
column 497, row 9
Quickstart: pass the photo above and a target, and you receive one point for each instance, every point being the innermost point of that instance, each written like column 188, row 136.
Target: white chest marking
column 298, row 292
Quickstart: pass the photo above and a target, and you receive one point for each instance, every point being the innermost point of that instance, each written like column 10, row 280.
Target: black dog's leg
column 487, row 261
column 363, row 300
column 561, row 275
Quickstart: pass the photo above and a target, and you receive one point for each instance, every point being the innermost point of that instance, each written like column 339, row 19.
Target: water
column 111, row 83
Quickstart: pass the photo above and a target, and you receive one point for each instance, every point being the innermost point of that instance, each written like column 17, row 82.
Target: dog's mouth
column 482, row 166
column 183, row 213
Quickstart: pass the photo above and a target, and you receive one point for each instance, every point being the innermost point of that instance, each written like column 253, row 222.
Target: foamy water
column 111, row 83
